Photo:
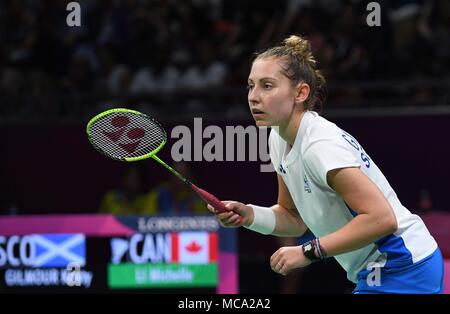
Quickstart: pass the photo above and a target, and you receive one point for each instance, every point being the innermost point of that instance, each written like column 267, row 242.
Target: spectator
column 206, row 72
column 128, row 198
column 142, row 49
column 174, row 197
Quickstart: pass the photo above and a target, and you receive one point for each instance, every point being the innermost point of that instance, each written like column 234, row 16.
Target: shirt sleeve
column 274, row 150
column 325, row 155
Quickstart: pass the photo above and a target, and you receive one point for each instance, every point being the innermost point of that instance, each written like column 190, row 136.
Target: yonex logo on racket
column 120, row 125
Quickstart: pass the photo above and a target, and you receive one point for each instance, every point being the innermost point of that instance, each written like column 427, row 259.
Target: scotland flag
column 59, row 250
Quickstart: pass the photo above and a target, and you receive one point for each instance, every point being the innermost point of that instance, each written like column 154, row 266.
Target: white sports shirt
column 319, row 147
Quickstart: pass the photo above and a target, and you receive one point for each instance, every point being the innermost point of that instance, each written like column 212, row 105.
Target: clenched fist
column 238, row 214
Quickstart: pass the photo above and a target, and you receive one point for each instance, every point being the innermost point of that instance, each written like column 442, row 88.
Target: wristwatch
column 313, row 251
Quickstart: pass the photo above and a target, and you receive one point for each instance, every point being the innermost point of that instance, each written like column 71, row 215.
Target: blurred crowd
column 132, row 196
column 142, row 47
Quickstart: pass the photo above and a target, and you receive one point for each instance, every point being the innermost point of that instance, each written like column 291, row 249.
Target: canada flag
column 194, row 247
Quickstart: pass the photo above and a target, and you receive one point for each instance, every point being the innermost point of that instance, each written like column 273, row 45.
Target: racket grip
column 210, row 199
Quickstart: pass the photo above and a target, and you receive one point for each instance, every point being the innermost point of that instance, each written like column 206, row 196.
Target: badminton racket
column 128, row 135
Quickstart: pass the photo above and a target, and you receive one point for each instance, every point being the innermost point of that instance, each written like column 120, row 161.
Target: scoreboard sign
column 101, row 253
column 44, row 260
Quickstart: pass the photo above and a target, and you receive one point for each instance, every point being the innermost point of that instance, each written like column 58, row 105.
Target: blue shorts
column 423, row 277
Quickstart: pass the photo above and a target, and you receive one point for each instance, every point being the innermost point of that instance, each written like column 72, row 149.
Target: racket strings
column 126, row 135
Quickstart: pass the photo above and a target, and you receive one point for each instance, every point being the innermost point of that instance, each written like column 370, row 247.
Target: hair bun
column 299, row 65
column 301, row 48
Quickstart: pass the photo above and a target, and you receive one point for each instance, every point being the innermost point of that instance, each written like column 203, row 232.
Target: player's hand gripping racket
column 129, row 135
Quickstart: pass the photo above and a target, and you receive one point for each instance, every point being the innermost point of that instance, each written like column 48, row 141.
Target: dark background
column 54, row 169
column 388, row 86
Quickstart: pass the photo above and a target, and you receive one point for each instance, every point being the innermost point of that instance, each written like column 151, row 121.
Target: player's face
column 271, row 96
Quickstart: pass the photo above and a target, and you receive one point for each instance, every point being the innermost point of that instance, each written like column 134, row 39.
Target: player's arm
column 282, row 219
column 375, row 217
column 287, row 220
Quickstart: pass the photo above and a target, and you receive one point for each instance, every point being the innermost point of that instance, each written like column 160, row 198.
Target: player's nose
column 254, row 96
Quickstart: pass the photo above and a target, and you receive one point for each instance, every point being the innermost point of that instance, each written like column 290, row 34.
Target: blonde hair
column 299, row 66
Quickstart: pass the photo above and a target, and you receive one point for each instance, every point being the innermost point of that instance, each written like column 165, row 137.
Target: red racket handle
column 210, row 199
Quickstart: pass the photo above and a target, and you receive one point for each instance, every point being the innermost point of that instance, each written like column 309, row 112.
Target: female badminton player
column 327, row 183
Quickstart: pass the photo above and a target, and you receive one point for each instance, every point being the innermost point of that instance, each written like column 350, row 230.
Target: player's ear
column 301, row 92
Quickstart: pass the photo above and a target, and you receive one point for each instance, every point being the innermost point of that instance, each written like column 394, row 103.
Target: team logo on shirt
column 306, row 185
column 281, row 169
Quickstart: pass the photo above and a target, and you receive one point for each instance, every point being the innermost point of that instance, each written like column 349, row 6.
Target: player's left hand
column 287, row 258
